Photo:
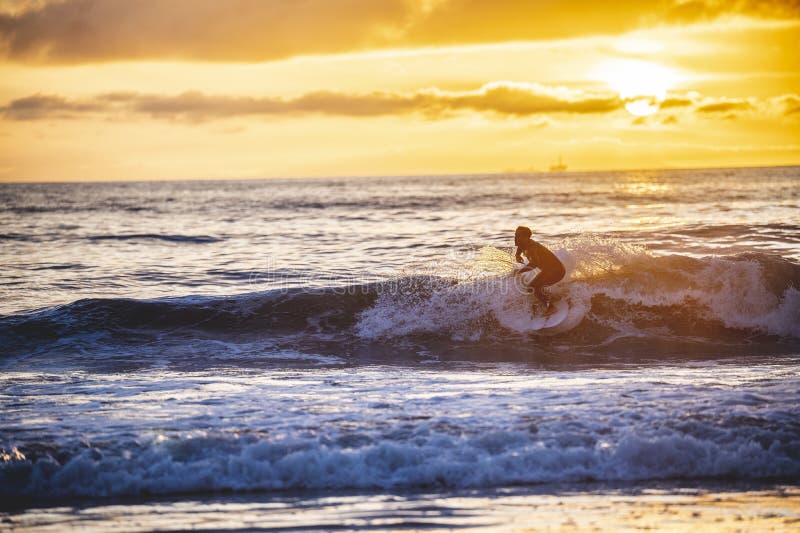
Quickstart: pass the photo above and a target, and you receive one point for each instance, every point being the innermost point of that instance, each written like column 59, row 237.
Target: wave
column 185, row 239
column 612, row 289
column 617, row 294
column 119, row 320
column 413, row 454
column 787, row 232
column 18, row 208
column 191, row 239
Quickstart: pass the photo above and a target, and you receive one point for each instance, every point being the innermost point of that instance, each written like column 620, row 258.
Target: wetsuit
column 552, row 271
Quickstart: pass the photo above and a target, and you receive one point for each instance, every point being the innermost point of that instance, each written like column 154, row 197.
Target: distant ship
column 560, row 167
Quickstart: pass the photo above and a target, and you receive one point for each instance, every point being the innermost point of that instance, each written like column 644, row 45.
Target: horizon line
column 398, row 176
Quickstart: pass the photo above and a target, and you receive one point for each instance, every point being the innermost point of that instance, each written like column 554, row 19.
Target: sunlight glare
column 642, row 107
column 643, row 83
column 638, row 46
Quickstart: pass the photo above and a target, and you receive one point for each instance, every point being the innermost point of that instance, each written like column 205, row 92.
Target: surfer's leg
column 524, row 269
column 525, row 287
column 538, row 285
column 542, row 294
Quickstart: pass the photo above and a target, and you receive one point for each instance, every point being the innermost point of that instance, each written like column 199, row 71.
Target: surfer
column 551, row 269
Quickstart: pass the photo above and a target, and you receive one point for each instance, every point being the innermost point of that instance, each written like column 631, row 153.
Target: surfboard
column 546, row 322
column 541, row 322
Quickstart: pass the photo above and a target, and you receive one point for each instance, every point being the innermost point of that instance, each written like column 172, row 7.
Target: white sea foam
column 734, row 292
column 391, row 428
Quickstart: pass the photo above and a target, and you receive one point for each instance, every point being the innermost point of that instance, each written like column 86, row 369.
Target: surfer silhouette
column 551, row 269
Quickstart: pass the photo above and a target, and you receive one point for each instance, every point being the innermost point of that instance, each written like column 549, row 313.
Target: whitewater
column 365, row 336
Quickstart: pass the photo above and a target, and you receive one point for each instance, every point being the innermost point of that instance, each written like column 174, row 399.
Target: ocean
column 355, row 353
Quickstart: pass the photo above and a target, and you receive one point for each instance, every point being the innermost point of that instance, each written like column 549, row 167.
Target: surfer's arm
column 533, row 258
column 519, row 254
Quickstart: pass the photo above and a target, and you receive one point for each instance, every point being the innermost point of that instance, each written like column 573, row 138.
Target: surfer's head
column 522, row 234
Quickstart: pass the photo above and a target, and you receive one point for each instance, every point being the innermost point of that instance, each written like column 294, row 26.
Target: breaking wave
column 432, row 452
column 621, row 289
column 614, row 292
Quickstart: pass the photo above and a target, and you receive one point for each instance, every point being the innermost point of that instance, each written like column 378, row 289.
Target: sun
column 642, row 107
column 642, row 84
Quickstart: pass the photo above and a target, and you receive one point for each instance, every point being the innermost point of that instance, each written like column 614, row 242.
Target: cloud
column 500, row 98
column 76, row 31
column 528, row 99
column 710, row 106
column 725, row 106
column 18, row 7
column 675, row 101
column 41, row 106
column 702, row 10
column 79, row 31
column 787, row 104
column 790, row 103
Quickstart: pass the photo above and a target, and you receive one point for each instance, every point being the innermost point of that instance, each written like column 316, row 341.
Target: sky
column 207, row 89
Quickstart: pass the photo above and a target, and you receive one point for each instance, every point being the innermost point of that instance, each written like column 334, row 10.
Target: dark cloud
column 43, row 106
column 507, row 99
column 77, row 31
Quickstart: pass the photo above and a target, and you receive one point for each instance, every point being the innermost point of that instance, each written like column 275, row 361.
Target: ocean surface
column 365, row 336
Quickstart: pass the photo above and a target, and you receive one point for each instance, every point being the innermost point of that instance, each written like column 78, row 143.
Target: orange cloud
column 501, row 98
column 77, row 31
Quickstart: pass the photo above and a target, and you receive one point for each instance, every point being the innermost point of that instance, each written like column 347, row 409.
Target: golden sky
column 173, row 89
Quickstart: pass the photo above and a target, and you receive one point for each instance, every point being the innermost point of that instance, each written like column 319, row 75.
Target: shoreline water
column 713, row 505
column 172, row 429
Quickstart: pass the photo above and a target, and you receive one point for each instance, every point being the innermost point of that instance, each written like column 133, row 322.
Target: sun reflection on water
column 643, row 185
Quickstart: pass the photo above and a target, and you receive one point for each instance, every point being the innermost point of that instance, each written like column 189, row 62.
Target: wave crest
column 609, row 284
column 616, row 293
